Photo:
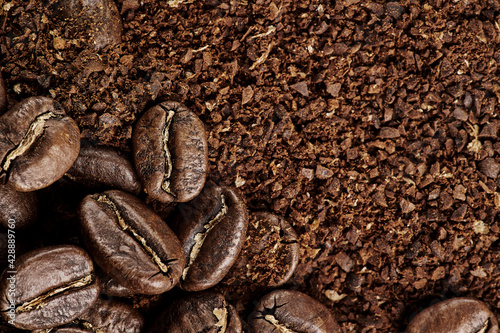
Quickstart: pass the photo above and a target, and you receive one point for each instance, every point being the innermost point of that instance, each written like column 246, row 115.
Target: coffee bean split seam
column 221, row 315
column 125, row 227
column 38, row 302
column 200, row 237
column 168, row 158
column 485, row 326
column 34, row 131
column 281, row 328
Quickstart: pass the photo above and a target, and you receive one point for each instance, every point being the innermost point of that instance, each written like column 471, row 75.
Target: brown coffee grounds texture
column 371, row 126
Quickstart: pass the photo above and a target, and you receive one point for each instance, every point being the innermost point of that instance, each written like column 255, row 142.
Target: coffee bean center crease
column 168, row 157
column 221, row 315
column 34, row 131
column 39, row 301
column 281, row 328
column 200, row 237
column 142, row 241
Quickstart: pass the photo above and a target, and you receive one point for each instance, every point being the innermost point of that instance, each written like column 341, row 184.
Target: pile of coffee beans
column 127, row 248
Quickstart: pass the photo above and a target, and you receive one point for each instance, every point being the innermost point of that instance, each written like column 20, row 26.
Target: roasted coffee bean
column 3, row 95
column 170, row 152
column 104, row 317
column 456, row 315
column 53, row 286
column 212, row 230
column 130, row 242
column 204, row 312
column 18, row 210
column 112, row 288
column 269, row 255
column 99, row 19
column 292, row 312
column 98, row 166
column 38, row 144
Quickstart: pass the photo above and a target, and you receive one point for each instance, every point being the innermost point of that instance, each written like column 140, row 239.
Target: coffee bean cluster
column 58, row 288
column 128, row 248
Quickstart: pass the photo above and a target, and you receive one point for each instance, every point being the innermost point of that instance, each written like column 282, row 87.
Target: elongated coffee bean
column 212, row 230
column 53, row 286
column 456, row 315
column 98, row 166
column 170, row 152
column 17, row 209
column 292, row 312
column 130, row 242
column 38, row 144
column 203, row 312
column 103, row 317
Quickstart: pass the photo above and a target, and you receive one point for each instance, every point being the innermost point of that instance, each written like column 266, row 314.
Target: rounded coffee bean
column 269, row 256
column 38, row 144
column 170, row 152
column 53, row 286
column 204, row 312
column 456, row 315
column 292, row 311
column 18, row 210
column 3, row 95
column 99, row 19
column 98, row 166
column 212, row 230
column 130, row 242
column 104, row 317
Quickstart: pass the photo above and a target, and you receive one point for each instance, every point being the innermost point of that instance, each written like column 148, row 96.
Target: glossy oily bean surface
column 105, row 316
column 38, row 144
column 203, row 312
column 17, row 208
column 456, row 315
column 292, row 312
column 212, row 230
column 98, row 19
column 170, row 152
column 130, row 242
column 53, row 286
column 98, row 166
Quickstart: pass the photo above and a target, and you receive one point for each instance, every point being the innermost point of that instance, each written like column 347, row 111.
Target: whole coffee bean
column 53, row 286
column 204, row 312
column 3, row 95
column 130, row 242
column 292, row 311
column 104, row 317
column 99, row 19
column 269, row 256
column 98, row 166
column 38, row 144
column 18, row 210
column 456, row 315
column 212, row 230
column 170, row 152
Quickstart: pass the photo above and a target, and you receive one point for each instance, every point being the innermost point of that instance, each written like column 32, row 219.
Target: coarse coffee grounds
column 370, row 126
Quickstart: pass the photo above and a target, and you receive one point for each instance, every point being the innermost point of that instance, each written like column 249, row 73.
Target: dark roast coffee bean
column 269, row 255
column 212, row 230
column 99, row 19
column 292, row 312
column 456, row 315
column 53, row 286
column 38, row 144
column 18, row 210
column 204, row 312
column 98, row 166
column 104, row 317
column 3, row 95
column 170, row 152
column 131, row 243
